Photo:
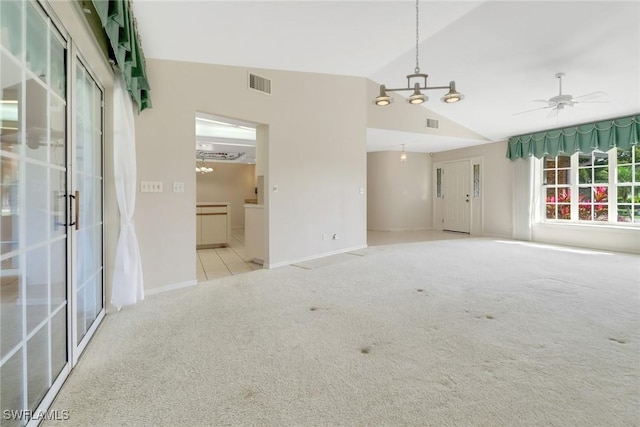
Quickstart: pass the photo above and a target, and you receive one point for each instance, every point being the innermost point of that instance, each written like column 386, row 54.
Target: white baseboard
column 401, row 229
column 312, row 257
column 172, row 287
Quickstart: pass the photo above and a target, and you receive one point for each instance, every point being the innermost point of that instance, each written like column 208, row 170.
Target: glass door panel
column 51, row 273
column 88, row 183
column 33, row 208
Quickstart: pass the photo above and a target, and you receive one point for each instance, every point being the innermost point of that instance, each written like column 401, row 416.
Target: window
column 439, row 182
column 476, row 180
column 597, row 187
column 556, row 180
column 628, row 185
column 593, row 186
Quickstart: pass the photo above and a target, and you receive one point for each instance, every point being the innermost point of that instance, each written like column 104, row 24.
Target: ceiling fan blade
column 551, row 105
column 531, row 111
column 553, row 113
column 595, row 96
column 543, row 100
column 590, row 102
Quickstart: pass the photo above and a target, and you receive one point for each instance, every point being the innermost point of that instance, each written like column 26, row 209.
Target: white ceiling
column 220, row 139
column 502, row 54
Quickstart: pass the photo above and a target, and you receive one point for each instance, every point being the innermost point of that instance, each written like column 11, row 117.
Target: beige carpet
column 469, row 332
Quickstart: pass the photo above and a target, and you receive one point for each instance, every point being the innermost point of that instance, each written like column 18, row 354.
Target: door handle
column 76, row 198
column 74, row 208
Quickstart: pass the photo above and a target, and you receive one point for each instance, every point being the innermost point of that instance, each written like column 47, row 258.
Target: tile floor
column 222, row 262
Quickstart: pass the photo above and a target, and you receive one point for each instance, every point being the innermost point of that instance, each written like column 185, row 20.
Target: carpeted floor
column 472, row 332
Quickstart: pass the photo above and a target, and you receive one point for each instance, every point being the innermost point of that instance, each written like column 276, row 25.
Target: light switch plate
column 151, row 186
column 178, row 187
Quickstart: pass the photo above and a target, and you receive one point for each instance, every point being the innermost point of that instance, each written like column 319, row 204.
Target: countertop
column 201, row 204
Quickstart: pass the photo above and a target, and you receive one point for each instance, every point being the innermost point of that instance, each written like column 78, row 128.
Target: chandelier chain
column 417, row 70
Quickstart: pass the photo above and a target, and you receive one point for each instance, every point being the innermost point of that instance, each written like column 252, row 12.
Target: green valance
column 116, row 17
column 622, row 132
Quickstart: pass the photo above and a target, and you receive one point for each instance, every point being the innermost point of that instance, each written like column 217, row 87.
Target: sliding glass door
column 51, row 257
column 89, row 300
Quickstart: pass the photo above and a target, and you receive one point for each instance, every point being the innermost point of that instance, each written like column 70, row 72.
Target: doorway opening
column 226, row 182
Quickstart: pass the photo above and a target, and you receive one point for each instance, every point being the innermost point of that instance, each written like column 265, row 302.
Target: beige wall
column 398, row 193
column 229, row 182
column 496, row 185
column 316, row 159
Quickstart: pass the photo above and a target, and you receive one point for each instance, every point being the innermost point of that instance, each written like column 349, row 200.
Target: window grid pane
column 628, row 189
column 557, row 180
column 600, row 196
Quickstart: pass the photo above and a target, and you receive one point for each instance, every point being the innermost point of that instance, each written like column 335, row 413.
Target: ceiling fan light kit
column 418, row 97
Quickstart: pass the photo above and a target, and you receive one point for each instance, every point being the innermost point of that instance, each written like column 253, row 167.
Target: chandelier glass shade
column 203, row 168
column 417, row 87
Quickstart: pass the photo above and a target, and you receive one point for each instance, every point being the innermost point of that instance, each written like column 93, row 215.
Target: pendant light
column 403, row 155
column 418, row 97
column 203, row 168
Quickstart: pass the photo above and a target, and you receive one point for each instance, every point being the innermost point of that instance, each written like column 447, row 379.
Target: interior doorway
column 226, row 182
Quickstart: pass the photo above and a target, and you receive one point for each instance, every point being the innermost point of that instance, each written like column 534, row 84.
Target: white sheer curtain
column 523, row 203
column 127, row 286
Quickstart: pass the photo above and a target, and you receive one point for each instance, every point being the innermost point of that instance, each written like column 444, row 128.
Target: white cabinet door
column 198, row 226
column 214, row 229
column 212, row 226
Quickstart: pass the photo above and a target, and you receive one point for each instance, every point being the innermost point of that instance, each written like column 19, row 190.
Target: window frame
column 575, row 186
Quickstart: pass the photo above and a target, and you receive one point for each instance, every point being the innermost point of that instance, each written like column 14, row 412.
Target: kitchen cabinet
column 213, row 224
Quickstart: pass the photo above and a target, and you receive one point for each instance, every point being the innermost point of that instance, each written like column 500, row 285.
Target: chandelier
column 418, row 97
column 203, row 168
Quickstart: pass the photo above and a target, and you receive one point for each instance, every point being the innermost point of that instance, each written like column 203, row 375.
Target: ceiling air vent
column 433, row 123
column 259, row 83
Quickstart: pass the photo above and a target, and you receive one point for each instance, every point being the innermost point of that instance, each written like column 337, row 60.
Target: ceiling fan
column 562, row 100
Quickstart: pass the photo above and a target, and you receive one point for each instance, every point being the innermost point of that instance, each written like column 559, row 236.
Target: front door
column 456, row 197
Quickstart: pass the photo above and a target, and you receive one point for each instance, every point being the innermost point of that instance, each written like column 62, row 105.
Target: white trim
column 401, row 229
column 48, row 398
column 599, row 237
column 79, row 349
column 172, row 287
column 312, row 257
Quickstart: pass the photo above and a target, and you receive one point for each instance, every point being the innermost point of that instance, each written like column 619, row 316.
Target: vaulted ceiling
column 502, row 54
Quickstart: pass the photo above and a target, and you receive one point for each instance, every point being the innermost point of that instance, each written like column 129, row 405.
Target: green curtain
column 622, row 132
column 116, row 17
